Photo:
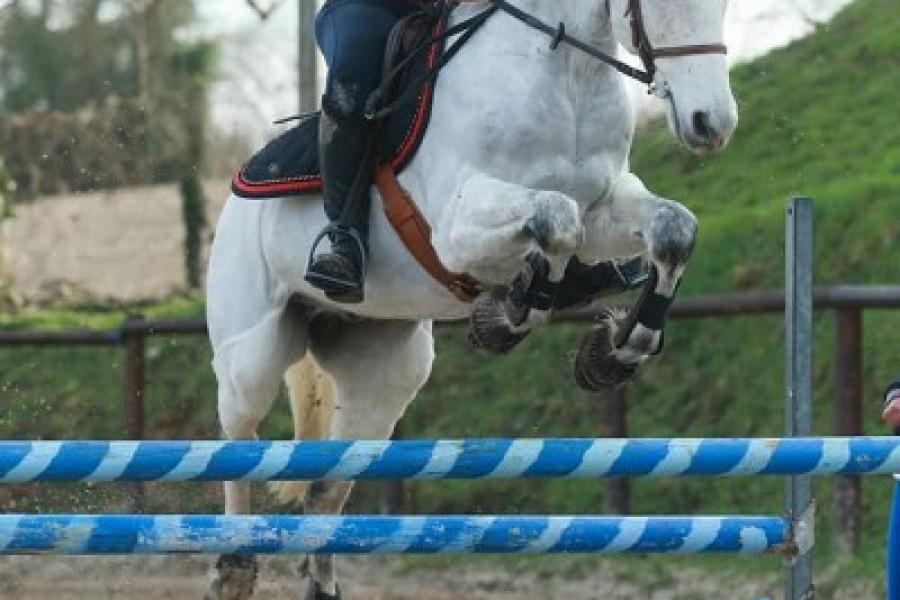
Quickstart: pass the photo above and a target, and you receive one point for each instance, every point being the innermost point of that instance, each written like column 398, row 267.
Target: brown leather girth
column 415, row 233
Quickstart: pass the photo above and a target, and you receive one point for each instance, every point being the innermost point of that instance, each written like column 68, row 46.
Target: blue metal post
column 893, row 548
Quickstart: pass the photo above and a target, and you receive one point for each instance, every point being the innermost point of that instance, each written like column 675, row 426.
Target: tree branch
column 807, row 17
column 264, row 12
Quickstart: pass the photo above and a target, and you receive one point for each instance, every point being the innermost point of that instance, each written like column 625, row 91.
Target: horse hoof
column 490, row 329
column 597, row 368
column 315, row 592
column 234, row 578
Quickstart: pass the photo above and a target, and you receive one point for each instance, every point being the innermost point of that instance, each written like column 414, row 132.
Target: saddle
column 289, row 164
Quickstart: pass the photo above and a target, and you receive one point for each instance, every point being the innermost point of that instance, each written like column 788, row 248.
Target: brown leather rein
column 401, row 210
column 414, row 231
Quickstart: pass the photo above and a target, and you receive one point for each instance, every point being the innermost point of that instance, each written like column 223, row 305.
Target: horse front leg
column 634, row 221
column 519, row 241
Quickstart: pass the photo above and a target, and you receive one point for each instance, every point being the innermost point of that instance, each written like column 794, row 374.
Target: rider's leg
column 352, row 35
column 345, row 156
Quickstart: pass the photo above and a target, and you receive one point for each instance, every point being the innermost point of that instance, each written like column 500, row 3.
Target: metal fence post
column 848, row 422
column 134, row 339
column 799, row 388
column 307, row 56
column 617, row 492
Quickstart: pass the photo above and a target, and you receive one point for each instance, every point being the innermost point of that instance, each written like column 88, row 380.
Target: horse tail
column 311, row 392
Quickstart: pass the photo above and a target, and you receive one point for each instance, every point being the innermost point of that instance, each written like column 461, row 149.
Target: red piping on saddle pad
column 416, row 129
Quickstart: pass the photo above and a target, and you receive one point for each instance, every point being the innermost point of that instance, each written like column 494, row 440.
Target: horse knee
column 239, row 420
column 556, row 225
column 673, row 233
column 243, row 402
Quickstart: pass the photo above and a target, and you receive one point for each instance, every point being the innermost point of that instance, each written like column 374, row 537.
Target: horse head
column 681, row 45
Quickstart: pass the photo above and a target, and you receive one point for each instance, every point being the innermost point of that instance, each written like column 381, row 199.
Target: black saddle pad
column 289, row 164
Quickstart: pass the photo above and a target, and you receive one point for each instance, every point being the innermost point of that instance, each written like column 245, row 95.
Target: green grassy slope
column 818, row 118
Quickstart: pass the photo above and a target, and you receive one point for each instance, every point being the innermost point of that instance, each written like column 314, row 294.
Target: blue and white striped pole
column 22, row 462
column 225, row 534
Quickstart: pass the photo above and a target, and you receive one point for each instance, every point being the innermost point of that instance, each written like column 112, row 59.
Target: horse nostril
column 702, row 125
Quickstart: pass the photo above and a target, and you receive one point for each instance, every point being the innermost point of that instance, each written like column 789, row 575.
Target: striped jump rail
column 23, row 462
column 145, row 534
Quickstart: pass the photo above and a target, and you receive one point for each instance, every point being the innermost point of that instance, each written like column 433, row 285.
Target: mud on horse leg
column 325, row 498
column 377, row 368
column 610, row 355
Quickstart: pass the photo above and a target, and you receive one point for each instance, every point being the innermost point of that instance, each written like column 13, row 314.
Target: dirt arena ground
column 184, row 578
column 177, row 578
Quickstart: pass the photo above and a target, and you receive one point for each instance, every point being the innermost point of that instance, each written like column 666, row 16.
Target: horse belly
column 396, row 286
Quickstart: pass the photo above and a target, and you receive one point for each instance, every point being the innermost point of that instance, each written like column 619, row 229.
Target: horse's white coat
column 516, row 129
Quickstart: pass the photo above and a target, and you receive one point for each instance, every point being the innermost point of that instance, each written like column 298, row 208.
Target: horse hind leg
column 610, row 354
column 248, row 368
column 311, row 393
column 377, row 369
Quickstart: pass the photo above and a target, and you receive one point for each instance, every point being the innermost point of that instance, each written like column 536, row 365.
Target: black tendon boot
column 346, row 156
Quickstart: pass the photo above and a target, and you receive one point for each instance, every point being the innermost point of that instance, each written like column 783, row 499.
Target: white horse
column 526, row 155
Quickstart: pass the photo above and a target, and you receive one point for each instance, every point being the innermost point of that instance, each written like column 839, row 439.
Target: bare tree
column 806, row 15
column 806, row 11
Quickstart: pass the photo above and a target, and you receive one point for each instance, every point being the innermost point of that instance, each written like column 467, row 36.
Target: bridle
column 645, row 49
column 465, row 30
column 640, row 39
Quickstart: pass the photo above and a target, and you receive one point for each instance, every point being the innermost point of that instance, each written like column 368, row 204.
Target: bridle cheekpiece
column 645, row 49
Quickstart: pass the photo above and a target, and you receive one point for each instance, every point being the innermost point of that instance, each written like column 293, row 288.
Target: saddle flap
column 289, row 164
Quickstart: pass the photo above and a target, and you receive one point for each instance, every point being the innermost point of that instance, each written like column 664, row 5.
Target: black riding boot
column 346, row 156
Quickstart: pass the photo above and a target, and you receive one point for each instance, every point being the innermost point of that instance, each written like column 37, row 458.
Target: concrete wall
column 123, row 245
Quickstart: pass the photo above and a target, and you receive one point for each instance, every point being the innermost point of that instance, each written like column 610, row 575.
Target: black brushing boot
column 346, row 156
column 582, row 283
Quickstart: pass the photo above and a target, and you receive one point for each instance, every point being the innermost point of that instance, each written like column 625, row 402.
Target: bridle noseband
column 645, row 49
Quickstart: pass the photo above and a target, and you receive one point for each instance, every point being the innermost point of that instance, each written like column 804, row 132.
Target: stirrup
column 339, row 290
